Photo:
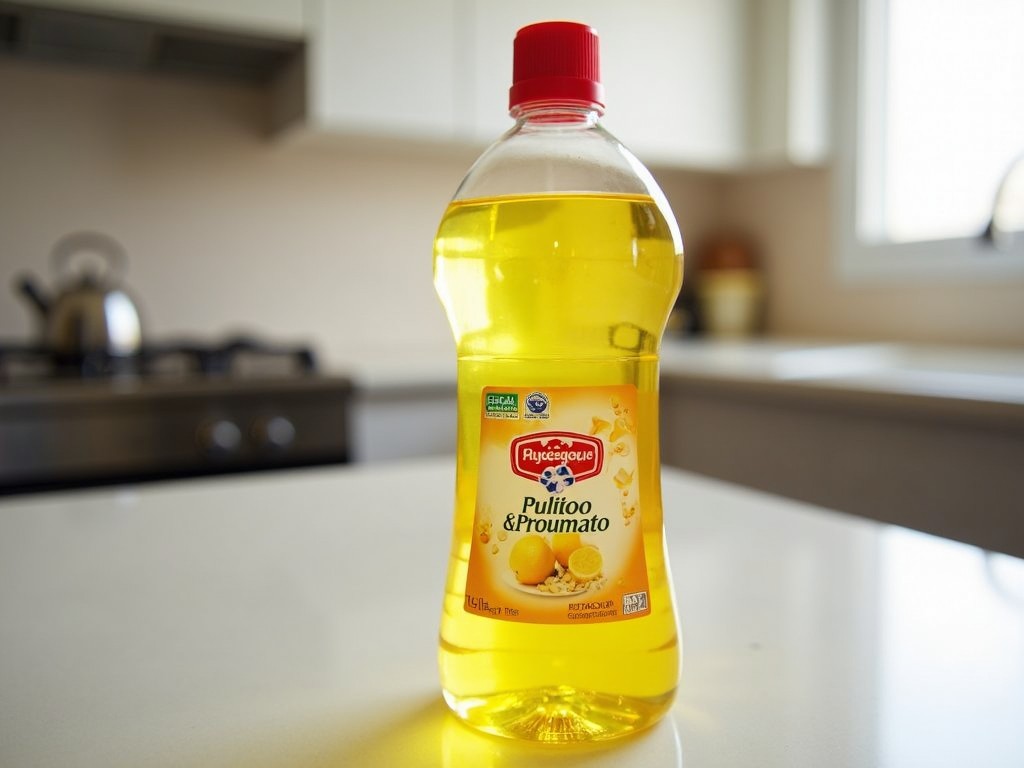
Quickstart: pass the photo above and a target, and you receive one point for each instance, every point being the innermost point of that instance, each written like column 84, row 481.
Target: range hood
column 141, row 45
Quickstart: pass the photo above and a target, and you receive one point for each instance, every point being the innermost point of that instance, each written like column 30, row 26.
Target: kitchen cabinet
column 279, row 17
column 402, row 422
column 672, row 71
column 374, row 69
column 931, row 439
column 689, row 83
column 706, row 84
column 786, row 92
column 403, row 405
column 928, row 438
column 441, row 70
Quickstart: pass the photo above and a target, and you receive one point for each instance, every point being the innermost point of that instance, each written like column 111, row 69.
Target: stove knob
column 276, row 433
column 221, row 437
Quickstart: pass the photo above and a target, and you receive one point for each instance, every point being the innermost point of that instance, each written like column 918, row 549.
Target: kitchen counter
column 963, row 374
column 923, row 436
column 291, row 619
column 403, row 405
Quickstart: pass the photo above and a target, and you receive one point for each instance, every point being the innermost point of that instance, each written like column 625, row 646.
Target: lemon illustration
column 585, row 563
column 564, row 544
column 531, row 559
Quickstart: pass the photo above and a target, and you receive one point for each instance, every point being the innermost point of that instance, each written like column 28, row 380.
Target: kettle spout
column 28, row 288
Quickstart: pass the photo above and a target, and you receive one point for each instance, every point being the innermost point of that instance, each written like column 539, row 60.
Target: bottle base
column 560, row 714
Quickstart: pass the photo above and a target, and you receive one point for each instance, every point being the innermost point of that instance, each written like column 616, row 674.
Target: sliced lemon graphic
column 586, row 563
column 564, row 544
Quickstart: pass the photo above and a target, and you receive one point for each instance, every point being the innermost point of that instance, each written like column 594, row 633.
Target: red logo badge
column 533, row 455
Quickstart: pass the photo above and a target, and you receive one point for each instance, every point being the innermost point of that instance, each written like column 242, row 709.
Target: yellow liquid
column 558, row 290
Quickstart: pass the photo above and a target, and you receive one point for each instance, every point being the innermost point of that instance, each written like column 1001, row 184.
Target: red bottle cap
column 558, row 62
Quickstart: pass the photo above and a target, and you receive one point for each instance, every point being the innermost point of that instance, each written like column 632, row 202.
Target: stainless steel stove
column 181, row 409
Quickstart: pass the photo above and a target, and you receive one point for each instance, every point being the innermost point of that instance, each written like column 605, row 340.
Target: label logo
column 501, row 405
column 537, row 406
column 556, row 459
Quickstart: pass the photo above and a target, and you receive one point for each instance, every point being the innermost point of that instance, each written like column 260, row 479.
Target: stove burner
column 240, row 356
column 175, row 410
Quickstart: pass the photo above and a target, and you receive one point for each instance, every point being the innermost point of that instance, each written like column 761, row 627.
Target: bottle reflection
column 658, row 747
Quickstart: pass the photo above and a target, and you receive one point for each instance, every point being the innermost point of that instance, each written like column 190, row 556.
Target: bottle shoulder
column 552, row 159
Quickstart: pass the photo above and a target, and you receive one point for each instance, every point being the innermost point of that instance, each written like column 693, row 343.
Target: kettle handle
column 94, row 242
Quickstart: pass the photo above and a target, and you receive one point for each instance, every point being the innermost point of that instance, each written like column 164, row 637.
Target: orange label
column 557, row 536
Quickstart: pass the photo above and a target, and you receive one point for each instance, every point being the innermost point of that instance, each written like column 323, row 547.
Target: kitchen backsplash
column 223, row 229
column 227, row 230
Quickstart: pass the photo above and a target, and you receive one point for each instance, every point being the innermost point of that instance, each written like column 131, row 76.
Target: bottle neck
column 550, row 114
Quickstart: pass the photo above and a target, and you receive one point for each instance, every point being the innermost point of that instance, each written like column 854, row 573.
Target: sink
column 969, row 373
column 945, row 372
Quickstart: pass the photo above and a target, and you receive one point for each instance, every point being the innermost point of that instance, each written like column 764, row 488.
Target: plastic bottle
column 557, row 263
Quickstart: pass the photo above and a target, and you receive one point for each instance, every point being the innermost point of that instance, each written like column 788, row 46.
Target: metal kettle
column 91, row 313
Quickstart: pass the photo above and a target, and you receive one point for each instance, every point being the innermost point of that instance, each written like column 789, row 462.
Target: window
column 930, row 110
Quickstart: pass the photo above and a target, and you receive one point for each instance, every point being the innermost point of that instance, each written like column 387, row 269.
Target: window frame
column 857, row 153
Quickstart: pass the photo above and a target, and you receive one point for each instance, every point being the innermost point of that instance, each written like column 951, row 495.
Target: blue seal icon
column 556, row 479
column 537, row 402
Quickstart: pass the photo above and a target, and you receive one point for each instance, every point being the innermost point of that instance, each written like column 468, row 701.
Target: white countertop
column 291, row 620
column 928, row 371
column 955, row 373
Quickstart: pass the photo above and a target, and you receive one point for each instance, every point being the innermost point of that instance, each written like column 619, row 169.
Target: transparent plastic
column 557, row 263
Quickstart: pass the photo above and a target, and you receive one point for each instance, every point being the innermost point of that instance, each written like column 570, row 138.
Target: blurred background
column 259, row 184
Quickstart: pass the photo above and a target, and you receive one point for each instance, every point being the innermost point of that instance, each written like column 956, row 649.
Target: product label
column 557, row 536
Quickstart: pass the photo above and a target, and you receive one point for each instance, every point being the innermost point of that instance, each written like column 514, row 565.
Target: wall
column 226, row 230
column 789, row 211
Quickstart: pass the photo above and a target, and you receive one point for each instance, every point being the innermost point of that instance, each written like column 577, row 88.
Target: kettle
column 90, row 313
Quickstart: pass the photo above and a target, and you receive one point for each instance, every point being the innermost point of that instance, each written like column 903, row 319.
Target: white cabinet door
column 787, row 93
column 279, row 17
column 379, row 68
column 387, row 426
column 672, row 71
